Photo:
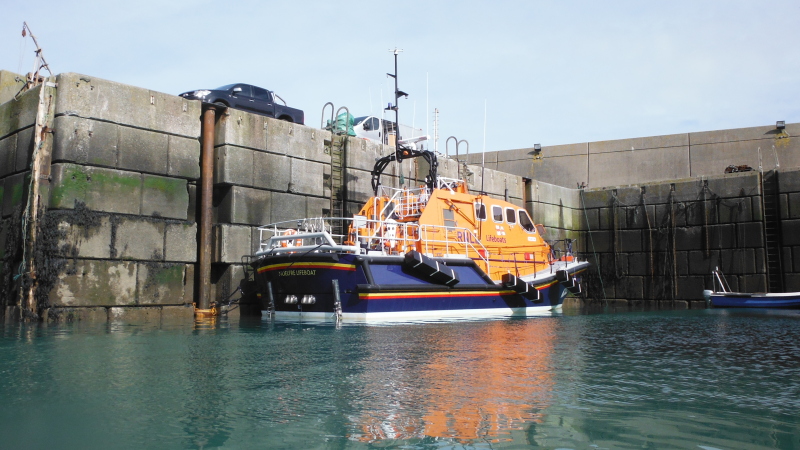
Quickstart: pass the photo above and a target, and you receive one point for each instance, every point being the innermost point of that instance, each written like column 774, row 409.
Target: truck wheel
column 286, row 119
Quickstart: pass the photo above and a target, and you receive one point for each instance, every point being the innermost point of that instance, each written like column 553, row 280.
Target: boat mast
column 393, row 107
column 402, row 151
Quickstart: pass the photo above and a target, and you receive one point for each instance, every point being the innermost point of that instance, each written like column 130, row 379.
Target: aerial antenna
column 436, row 129
column 413, row 119
column 483, row 154
column 427, row 119
column 33, row 78
column 382, row 132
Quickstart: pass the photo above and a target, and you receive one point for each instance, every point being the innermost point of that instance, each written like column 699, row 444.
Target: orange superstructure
column 499, row 236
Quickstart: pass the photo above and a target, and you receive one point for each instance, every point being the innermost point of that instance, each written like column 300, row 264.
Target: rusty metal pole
column 206, row 192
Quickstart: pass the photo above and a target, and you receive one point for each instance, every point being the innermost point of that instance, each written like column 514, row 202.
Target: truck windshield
column 358, row 120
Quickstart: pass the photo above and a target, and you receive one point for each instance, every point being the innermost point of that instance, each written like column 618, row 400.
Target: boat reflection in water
column 464, row 386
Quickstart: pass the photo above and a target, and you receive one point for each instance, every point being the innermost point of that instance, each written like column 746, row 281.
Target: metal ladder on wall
column 772, row 233
column 338, row 150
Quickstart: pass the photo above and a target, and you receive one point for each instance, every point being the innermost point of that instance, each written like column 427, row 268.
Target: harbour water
column 707, row 379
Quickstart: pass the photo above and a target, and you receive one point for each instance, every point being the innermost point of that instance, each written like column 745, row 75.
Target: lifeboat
column 414, row 254
column 435, row 251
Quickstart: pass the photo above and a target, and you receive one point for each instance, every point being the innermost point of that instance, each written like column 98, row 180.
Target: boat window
column 480, row 211
column 511, row 216
column 525, row 221
column 449, row 218
column 497, row 213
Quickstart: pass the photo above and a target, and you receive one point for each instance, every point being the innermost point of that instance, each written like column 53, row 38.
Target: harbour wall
column 658, row 213
column 655, row 244
column 117, row 238
column 651, row 159
column 117, row 234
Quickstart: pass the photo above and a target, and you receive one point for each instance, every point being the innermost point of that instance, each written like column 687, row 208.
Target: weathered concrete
column 652, row 159
column 230, row 243
column 10, row 85
column 108, row 101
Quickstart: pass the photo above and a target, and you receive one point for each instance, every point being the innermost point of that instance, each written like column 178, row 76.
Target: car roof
column 230, row 86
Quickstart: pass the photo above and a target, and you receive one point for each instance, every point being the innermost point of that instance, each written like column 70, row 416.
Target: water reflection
column 459, row 382
column 644, row 380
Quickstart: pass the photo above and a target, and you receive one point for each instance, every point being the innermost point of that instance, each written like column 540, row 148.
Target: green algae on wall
column 171, row 188
column 100, row 189
column 161, row 283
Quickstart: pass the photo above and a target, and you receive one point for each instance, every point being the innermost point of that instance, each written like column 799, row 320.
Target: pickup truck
column 248, row 98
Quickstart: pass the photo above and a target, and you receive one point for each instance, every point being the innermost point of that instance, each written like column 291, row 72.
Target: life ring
column 290, row 243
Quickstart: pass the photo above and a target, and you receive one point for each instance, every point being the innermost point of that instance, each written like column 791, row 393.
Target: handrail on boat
column 404, row 202
column 384, row 237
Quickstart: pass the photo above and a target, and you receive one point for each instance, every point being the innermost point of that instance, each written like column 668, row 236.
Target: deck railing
column 368, row 236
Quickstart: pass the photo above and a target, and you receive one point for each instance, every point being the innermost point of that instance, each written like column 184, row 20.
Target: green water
column 692, row 379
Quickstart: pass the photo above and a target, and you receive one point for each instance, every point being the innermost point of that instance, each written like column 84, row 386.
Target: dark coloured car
column 248, row 98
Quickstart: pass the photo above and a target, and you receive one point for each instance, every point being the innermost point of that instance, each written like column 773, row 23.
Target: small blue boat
column 723, row 297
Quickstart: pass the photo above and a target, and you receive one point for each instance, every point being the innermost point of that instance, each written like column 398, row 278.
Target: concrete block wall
column 17, row 119
column 651, row 159
column 789, row 202
column 10, row 85
column 559, row 209
column 119, row 231
column 265, row 171
column 660, row 241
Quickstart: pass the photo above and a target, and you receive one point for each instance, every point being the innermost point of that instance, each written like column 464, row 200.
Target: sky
column 503, row 74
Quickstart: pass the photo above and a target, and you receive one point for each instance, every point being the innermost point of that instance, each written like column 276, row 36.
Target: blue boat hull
column 382, row 288
column 744, row 300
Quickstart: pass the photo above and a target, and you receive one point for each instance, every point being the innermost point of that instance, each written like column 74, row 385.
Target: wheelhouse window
column 449, row 218
column 525, row 221
column 511, row 216
column 480, row 211
column 497, row 213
